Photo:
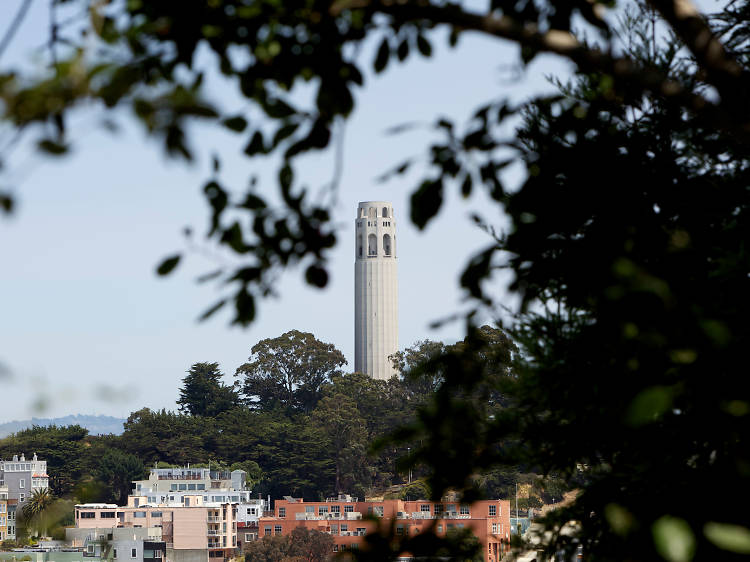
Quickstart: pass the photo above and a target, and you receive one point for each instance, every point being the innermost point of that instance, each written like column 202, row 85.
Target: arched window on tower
column 372, row 245
column 360, row 244
column 361, row 212
column 385, row 212
column 387, row 244
column 372, row 212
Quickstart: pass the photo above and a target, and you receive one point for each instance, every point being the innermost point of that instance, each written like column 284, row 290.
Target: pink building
column 342, row 517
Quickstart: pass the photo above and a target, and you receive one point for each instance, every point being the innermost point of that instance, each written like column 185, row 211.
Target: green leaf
column 236, row 123
column 403, row 50
column 426, row 202
column 255, row 146
column 52, row 147
column 382, row 57
column 6, row 202
column 673, row 539
column 734, row 538
column 649, row 405
column 316, row 276
column 168, row 265
column 423, row 45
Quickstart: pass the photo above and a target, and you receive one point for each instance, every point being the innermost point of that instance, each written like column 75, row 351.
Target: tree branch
column 563, row 43
column 14, row 25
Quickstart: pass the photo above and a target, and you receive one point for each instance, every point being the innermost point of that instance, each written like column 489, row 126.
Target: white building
column 375, row 290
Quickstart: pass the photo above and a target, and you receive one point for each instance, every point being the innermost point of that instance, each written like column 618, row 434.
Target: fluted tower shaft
column 375, row 290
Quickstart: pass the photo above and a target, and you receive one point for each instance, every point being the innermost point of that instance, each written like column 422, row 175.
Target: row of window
column 372, row 213
column 372, row 245
column 360, row 224
column 176, row 487
column 111, row 514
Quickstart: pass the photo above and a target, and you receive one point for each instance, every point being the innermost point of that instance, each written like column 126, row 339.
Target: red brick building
column 342, row 518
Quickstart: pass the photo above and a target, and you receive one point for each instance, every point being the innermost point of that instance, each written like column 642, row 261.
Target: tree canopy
column 288, row 371
column 203, row 393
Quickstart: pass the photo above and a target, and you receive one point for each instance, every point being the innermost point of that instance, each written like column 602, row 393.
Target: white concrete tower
column 375, row 290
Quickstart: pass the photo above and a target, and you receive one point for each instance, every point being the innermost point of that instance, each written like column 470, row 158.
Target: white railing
column 212, row 533
column 214, row 519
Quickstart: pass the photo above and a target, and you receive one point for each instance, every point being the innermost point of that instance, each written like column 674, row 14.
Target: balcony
column 213, row 532
column 214, row 519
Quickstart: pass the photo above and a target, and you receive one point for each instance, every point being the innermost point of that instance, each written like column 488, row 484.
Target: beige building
column 193, row 532
column 3, row 513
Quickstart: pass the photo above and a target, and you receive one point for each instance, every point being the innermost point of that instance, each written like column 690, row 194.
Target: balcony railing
column 213, row 532
column 214, row 519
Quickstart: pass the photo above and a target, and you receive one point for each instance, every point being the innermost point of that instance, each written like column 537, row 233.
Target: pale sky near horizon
column 85, row 324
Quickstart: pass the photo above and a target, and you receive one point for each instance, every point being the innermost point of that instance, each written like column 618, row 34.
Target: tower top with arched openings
column 375, row 289
column 376, row 231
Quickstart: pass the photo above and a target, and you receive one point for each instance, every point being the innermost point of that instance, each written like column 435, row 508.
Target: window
column 156, row 514
column 309, row 509
column 282, row 512
column 22, row 483
column 88, row 514
column 107, row 515
column 494, row 528
column 372, row 245
column 464, row 510
column 334, row 529
column 348, row 509
column 399, row 529
column 451, row 507
column 139, row 514
column 134, row 553
column 191, row 486
column 371, row 212
column 425, row 507
column 361, row 531
column 173, row 488
column 201, row 486
column 385, row 212
column 90, row 549
column 344, row 528
column 114, row 553
column 493, row 510
column 378, row 510
column 335, row 509
column 267, row 531
column 248, row 537
column 438, row 508
column 387, row 244
column 182, row 487
column 277, row 529
column 322, row 510
column 335, row 548
column 440, row 528
column 355, row 546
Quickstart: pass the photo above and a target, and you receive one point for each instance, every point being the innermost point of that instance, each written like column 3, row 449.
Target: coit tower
column 375, row 290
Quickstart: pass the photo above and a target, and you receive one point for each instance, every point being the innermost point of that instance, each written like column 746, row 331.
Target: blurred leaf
column 52, row 147
column 166, row 266
column 673, row 539
column 426, row 202
column 381, row 59
column 236, row 123
column 734, row 538
column 649, row 405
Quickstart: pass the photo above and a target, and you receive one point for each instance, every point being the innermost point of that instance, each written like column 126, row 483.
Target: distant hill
column 97, row 425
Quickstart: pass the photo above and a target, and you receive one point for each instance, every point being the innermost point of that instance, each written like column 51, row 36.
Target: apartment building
column 194, row 532
column 116, row 544
column 342, row 517
column 3, row 513
column 21, row 477
column 185, row 479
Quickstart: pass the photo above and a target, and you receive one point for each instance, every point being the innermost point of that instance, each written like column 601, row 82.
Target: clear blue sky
column 85, row 324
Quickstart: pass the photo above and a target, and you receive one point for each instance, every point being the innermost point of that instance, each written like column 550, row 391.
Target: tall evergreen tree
column 203, row 393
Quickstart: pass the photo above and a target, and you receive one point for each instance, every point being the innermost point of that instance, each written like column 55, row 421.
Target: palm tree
column 34, row 509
